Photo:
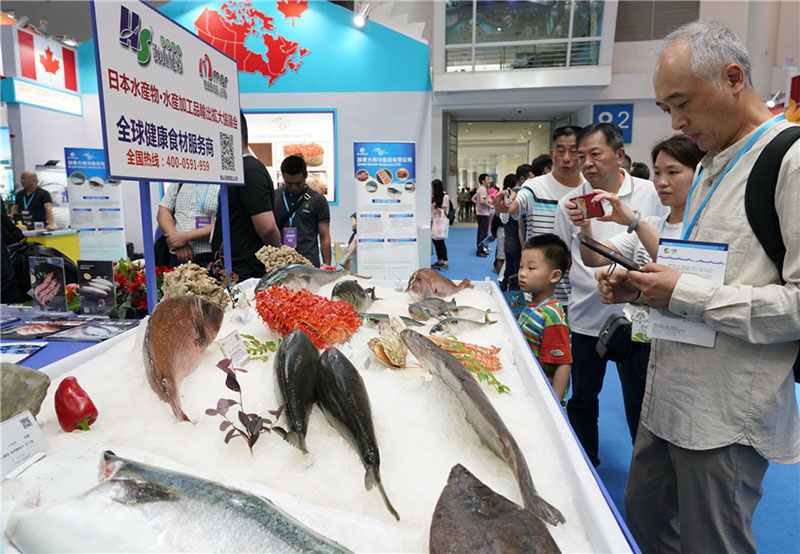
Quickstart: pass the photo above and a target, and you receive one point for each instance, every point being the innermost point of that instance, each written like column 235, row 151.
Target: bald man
column 33, row 203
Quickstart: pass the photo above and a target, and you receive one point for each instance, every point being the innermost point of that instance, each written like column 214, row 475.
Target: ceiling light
column 23, row 21
column 361, row 17
column 67, row 40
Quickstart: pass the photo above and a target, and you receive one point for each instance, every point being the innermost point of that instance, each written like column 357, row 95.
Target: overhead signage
column 386, row 190
column 169, row 101
column 26, row 92
column 618, row 114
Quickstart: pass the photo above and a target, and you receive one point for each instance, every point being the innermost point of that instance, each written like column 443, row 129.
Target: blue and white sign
column 619, row 114
column 386, row 189
column 95, row 205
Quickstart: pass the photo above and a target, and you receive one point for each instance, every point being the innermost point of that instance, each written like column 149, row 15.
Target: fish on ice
column 454, row 325
column 296, row 368
column 429, row 307
column 429, row 281
column 354, row 294
column 299, row 276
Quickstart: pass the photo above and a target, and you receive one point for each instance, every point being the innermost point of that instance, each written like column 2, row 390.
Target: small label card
column 232, row 347
column 23, row 442
column 356, row 358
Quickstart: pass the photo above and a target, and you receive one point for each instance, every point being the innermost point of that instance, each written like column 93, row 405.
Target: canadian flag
column 47, row 61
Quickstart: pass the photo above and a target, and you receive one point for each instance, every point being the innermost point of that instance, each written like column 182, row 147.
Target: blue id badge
column 290, row 236
column 202, row 221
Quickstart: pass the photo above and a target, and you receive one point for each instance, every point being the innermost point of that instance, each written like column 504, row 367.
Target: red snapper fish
column 178, row 332
column 429, row 281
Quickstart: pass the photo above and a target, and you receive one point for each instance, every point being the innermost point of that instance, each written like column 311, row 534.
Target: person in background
column 463, row 204
column 483, row 210
column 601, row 151
column 349, row 255
column 713, row 417
column 252, row 222
column 184, row 216
column 512, row 247
column 440, row 203
column 640, row 170
column 626, row 163
column 302, row 214
column 674, row 160
column 543, row 322
column 542, row 165
column 34, row 204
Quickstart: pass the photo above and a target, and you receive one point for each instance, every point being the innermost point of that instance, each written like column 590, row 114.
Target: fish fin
column 546, row 512
column 371, row 479
column 464, row 284
column 297, row 440
column 487, row 320
column 360, row 276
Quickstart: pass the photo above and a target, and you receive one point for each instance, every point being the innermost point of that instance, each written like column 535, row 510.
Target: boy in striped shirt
column 543, row 322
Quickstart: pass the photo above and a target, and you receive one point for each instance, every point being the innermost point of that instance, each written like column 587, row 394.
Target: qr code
column 25, row 422
column 226, row 144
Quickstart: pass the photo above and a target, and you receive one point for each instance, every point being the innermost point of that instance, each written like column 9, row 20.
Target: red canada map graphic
column 228, row 28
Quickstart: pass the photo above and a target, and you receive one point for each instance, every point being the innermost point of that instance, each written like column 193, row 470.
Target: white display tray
column 592, row 513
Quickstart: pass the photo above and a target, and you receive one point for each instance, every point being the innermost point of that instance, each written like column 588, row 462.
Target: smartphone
column 605, row 251
column 589, row 209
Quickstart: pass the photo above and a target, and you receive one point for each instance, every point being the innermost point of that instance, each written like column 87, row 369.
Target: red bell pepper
column 74, row 408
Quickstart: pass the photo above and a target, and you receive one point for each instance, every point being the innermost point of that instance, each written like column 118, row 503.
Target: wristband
column 634, row 222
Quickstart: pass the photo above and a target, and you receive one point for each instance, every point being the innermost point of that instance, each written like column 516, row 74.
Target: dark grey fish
column 471, row 517
column 344, row 400
column 480, row 413
column 354, row 294
column 374, row 320
column 299, row 276
column 296, row 369
column 143, row 508
column 455, row 325
column 429, row 307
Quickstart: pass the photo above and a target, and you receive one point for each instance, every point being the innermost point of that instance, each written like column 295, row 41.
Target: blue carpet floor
column 776, row 523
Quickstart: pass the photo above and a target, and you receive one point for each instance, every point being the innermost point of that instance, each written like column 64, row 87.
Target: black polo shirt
column 35, row 206
column 307, row 217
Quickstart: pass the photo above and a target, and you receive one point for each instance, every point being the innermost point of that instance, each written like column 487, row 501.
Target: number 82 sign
column 619, row 114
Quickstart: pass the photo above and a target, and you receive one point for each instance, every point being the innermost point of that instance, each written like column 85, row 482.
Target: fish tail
column 487, row 320
column 464, row 284
column 546, row 511
column 180, row 415
column 297, row 440
column 371, row 479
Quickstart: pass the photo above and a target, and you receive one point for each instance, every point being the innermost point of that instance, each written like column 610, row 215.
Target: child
column 545, row 260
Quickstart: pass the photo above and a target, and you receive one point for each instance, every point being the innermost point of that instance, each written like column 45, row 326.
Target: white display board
column 169, row 101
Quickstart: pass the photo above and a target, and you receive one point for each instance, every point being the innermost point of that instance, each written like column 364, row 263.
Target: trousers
column 632, row 377
column 441, row 250
column 483, row 228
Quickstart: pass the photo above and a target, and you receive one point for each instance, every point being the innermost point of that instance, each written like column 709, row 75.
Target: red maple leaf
column 50, row 64
column 292, row 8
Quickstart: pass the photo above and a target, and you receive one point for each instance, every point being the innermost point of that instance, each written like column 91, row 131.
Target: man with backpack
column 713, row 417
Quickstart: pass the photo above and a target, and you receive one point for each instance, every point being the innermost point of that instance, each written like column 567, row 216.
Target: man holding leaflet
column 712, row 417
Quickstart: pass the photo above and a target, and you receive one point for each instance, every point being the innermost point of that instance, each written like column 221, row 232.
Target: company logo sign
column 139, row 39
column 213, row 81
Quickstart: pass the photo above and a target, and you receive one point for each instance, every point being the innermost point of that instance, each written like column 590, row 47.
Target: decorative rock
column 21, row 388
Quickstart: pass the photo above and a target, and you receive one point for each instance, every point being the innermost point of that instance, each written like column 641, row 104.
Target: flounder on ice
column 178, row 332
column 430, row 280
column 144, row 508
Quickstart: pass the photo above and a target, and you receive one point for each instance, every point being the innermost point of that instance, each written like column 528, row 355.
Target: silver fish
column 298, row 276
column 143, row 508
column 480, row 413
column 455, row 325
column 354, row 294
column 374, row 320
column 466, row 312
column 429, row 307
column 296, row 368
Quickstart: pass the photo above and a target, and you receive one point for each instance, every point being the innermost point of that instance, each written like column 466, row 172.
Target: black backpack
column 759, row 202
column 451, row 213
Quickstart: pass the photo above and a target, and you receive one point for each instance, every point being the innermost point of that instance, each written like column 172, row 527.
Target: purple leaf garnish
column 211, row 412
column 223, row 404
column 243, row 419
column 224, row 425
column 232, row 383
column 280, row 431
column 224, row 364
column 230, row 435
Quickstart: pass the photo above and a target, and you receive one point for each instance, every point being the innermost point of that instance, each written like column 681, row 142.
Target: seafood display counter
column 419, row 425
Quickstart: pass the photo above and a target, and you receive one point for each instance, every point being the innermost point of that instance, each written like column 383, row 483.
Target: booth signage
column 169, row 100
column 26, row 92
column 618, row 114
column 385, row 183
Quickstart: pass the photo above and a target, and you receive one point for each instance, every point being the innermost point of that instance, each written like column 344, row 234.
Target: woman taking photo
column 674, row 162
column 440, row 225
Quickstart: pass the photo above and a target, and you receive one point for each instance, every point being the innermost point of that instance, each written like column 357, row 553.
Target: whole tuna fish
column 375, row 321
column 471, row 517
column 296, row 368
column 429, row 307
column 178, row 332
column 454, row 326
column 354, row 294
column 142, row 508
column 344, row 400
column 482, row 416
column 427, row 280
column 298, row 276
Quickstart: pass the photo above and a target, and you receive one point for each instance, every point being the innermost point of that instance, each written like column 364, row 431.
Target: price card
column 356, row 358
column 23, row 442
column 232, row 347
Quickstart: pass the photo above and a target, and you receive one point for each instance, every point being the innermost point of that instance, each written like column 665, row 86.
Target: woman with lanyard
column 674, row 162
column 184, row 216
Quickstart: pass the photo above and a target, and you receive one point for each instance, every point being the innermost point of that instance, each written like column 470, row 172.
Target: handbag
column 162, row 253
column 439, row 228
column 614, row 341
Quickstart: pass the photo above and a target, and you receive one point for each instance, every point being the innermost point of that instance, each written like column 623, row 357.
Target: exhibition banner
column 169, row 101
column 95, row 205
column 385, row 183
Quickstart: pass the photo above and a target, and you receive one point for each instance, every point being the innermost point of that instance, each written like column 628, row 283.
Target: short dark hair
column 555, row 251
column 640, row 170
column 680, row 147
column 510, row 181
column 611, row 132
column 524, row 170
column 243, row 127
column 294, row 165
column 567, row 130
column 540, row 163
column 481, row 177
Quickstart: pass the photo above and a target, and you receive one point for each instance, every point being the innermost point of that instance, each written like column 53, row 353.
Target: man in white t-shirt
column 483, row 209
column 601, row 152
column 538, row 198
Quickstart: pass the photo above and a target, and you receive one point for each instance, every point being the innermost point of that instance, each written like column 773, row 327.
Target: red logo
column 205, row 66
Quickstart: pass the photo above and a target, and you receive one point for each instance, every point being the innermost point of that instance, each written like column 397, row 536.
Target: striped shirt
column 546, row 329
column 537, row 200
